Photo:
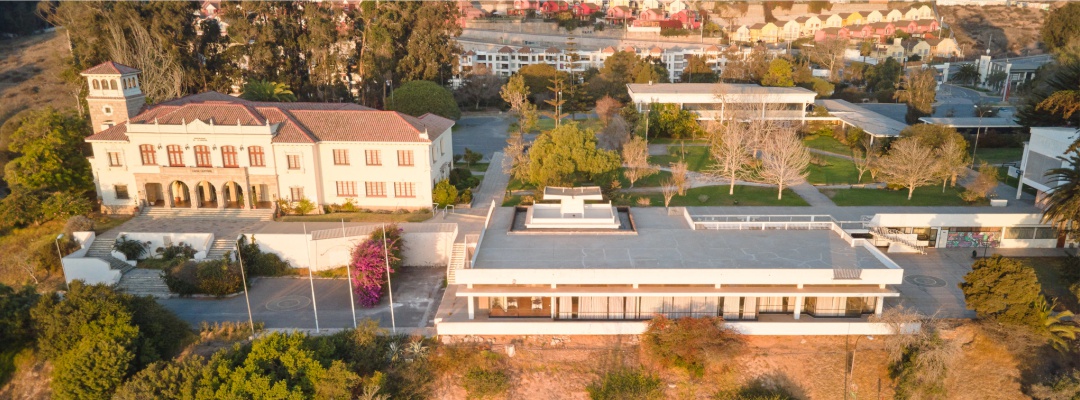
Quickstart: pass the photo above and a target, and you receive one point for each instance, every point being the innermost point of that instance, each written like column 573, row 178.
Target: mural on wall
column 973, row 239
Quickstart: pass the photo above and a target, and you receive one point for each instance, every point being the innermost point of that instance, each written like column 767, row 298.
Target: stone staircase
column 102, row 249
column 144, row 282
column 896, row 237
column 207, row 214
column 457, row 261
column 220, row 247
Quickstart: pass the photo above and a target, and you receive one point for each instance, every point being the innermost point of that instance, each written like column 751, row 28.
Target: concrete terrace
column 667, row 242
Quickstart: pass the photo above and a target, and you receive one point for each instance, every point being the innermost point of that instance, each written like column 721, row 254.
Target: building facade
column 1043, row 152
column 212, row 150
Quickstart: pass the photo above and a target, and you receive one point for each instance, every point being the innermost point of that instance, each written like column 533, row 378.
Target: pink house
column 832, row 33
column 652, row 14
column 585, row 10
column 522, row 7
column 688, row 19
column 882, row 30
column 908, row 27
column 926, row 25
column 619, row 14
column 861, row 32
column 553, row 7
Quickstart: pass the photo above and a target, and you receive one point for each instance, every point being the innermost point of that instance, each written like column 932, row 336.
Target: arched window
column 255, row 156
column 96, row 85
column 228, row 157
column 176, row 156
column 124, row 83
column 149, row 156
column 202, row 156
column 113, row 85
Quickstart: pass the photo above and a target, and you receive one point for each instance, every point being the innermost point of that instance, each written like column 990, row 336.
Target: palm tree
column 968, row 73
column 1063, row 204
column 1057, row 326
column 267, row 91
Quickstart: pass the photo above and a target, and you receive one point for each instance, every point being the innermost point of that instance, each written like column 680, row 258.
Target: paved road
column 285, row 303
column 485, row 134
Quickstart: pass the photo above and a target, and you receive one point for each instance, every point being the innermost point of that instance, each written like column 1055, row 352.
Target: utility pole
column 348, row 271
column 389, row 289
column 311, row 278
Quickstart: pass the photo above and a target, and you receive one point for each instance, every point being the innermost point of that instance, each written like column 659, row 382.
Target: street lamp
column 850, row 376
column 243, row 277
column 61, row 255
column 558, row 108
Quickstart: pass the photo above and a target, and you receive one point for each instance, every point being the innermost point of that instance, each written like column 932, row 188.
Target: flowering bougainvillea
column 369, row 264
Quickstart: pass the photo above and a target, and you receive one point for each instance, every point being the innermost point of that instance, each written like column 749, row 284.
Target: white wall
column 90, row 270
column 425, row 245
column 508, row 327
column 674, row 276
column 199, row 241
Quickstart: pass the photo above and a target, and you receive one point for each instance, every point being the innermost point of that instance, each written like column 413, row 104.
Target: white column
column 472, row 312
column 798, row 306
column 880, row 304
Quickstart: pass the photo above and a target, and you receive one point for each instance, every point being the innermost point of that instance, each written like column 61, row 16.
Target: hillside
column 30, row 74
column 1014, row 30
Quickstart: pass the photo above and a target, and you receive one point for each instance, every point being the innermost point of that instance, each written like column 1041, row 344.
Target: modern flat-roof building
column 1042, row 153
column 765, row 275
column 215, row 151
column 722, row 101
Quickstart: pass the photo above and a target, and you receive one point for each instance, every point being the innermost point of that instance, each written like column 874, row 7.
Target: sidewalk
column 493, row 186
column 812, row 196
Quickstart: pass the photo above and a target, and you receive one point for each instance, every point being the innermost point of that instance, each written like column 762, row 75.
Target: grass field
column 924, row 196
column 478, row 167
column 697, row 157
column 653, row 180
column 359, row 217
column 718, row 196
column 827, row 143
column 999, row 155
column 836, row 171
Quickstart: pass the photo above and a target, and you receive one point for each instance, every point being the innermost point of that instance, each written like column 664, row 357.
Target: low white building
column 780, row 275
column 212, row 150
column 713, row 101
column 1044, row 152
column 982, row 230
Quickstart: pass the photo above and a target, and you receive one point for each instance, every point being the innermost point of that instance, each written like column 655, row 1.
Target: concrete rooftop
column 667, row 242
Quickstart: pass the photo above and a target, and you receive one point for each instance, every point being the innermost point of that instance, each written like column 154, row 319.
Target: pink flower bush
column 369, row 265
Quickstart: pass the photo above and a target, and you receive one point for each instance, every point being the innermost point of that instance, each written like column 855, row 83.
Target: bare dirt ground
column 809, row 367
column 30, row 74
column 31, row 380
column 1010, row 31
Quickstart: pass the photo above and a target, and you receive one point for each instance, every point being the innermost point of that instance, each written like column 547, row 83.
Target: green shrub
column 177, row 251
column 466, row 197
column 64, row 205
column 626, row 384
column 480, row 382
column 688, row 342
column 303, row 207
column 258, row 263
column 419, row 97
column 45, row 257
column 130, row 248
column 218, row 277
column 462, row 178
column 1003, row 289
column 444, row 193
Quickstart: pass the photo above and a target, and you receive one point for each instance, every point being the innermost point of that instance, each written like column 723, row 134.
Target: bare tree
column 730, row 146
column 615, row 134
column 952, row 157
column 866, row 157
column 679, row 172
column 983, row 184
column 784, row 159
column 515, row 160
column 162, row 75
column 930, row 356
column 479, row 85
column 829, row 54
column 910, row 164
column 607, row 108
column 636, row 157
column 516, row 93
column 668, row 188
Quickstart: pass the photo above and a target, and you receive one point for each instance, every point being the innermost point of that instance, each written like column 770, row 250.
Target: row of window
column 376, row 189
column 126, row 83
column 256, row 157
column 374, row 157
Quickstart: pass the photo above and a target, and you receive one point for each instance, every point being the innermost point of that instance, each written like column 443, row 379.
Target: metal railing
column 896, row 236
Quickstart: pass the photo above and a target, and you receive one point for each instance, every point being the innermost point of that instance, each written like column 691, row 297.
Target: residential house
column 765, row 32
column 467, row 11
column 911, row 14
column 687, row 18
column 619, row 14
column 647, row 4
column 926, row 26
column 922, row 49
column 861, row 32
column 676, row 6
column 552, row 7
column 524, row 7
column 852, row 18
column 895, row 49
column 832, row 33
column 924, row 12
column 882, row 30
column 215, row 151
column 584, row 11
column 742, row 34
column 874, row 16
column 894, row 16
column 810, row 25
column 832, row 21
column 789, row 30
column 943, row 47
column 651, row 14
column 908, row 26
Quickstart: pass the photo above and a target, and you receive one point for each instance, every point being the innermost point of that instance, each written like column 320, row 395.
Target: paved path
column 493, row 186
column 812, row 196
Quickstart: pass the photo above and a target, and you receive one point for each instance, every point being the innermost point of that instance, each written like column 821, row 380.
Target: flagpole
column 348, row 271
column 386, row 257
column 243, row 278
column 311, row 278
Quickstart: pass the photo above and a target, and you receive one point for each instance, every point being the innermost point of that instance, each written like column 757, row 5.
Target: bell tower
column 115, row 94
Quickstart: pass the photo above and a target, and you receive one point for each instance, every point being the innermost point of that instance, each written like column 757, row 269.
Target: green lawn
column 1048, row 270
column 718, row 196
column 648, row 181
column 359, row 217
column 697, row 157
column 515, row 184
column 998, row 155
column 676, row 141
column 923, row 196
column 827, row 143
column 479, row 167
column 836, row 171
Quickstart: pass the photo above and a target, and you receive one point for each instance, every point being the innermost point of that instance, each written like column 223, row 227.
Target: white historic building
column 212, row 150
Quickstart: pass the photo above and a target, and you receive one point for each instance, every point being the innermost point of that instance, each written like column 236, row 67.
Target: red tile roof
column 109, row 67
column 298, row 122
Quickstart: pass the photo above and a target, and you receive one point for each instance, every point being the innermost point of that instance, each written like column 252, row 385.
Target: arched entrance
column 155, row 195
column 233, row 195
column 206, row 195
column 180, row 195
column 260, row 196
